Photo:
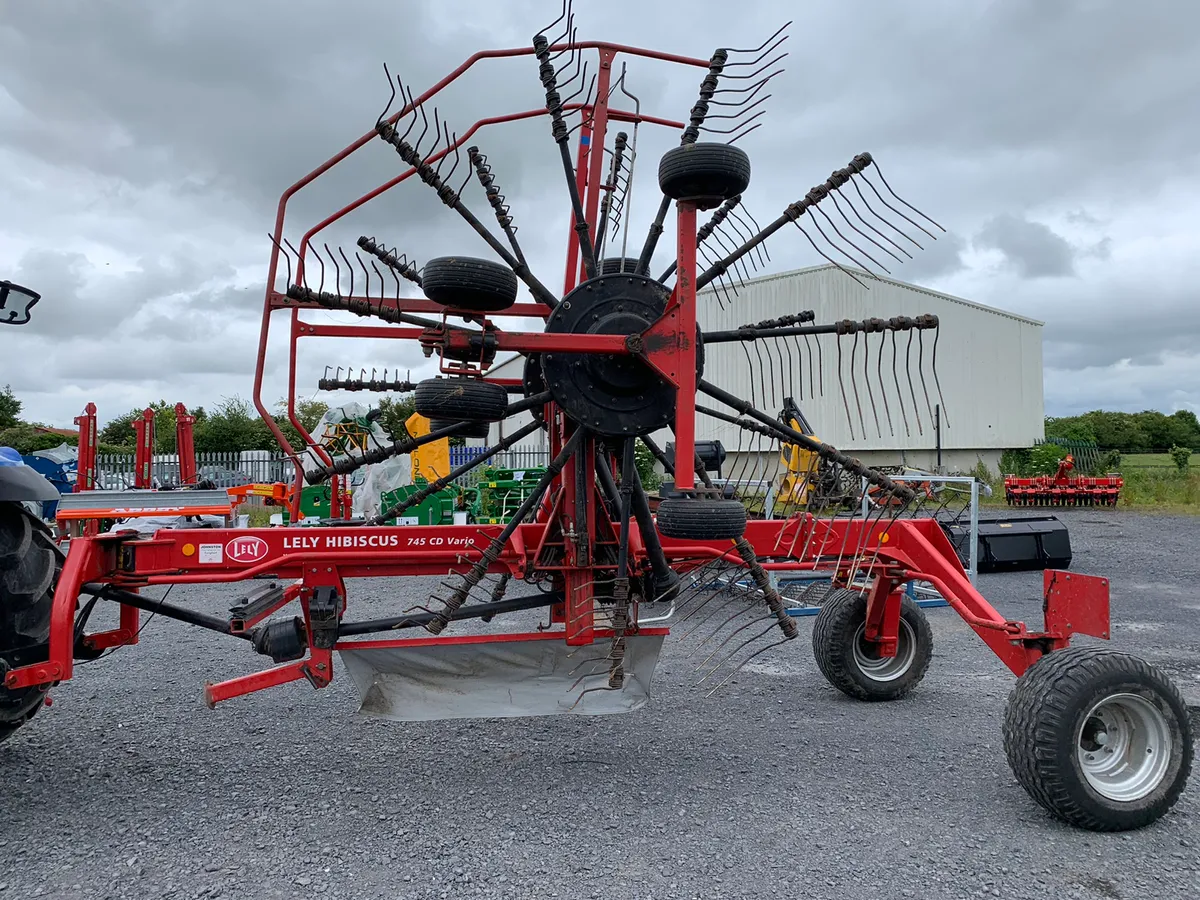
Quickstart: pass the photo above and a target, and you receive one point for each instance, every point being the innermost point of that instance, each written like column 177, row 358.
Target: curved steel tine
column 879, row 378
column 760, row 47
column 862, row 422
column 349, row 268
column 827, row 258
column 750, row 89
column 321, row 287
column 741, row 112
column 366, row 276
column 748, row 659
column 442, row 127
column 561, row 16
column 900, row 199
column 842, row 385
column 581, row 88
column 391, row 99
column 744, row 233
column 821, row 232
column 567, row 16
column 286, row 256
column 838, row 232
column 882, row 219
column 899, row 391
column 299, row 261
column 410, row 104
column 381, row 282
column 570, row 49
column 937, row 383
column 921, row 371
column 757, row 229
column 911, row 389
column 845, row 197
column 706, row 128
column 725, row 246
column 875, row 191
column 833, row 196
column 337, row 272
column 867, row 382
column 737, row 137
column 757, row 72
column 424, row 128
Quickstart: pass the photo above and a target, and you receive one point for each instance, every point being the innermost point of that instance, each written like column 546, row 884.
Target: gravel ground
column 775, row 787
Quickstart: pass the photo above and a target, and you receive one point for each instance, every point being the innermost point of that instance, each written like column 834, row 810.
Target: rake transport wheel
column 701, row 519
column 461, row 400
column 852, row 665
column 29, row 562
column 1099, row 738
column 462, row 282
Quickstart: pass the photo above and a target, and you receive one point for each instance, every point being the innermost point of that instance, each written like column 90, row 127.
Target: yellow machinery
column 429, row 461
column 802, row 466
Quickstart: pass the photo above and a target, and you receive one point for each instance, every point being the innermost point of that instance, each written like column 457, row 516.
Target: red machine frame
column 889, row 554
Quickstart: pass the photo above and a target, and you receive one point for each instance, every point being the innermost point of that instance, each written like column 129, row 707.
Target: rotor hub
column 612, row 394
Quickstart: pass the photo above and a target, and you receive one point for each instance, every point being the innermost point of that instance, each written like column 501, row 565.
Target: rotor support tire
column 617, row 265
column 26, row 598
column 463, row 282
column 473, row 429
column 701, row 519
column 461, row 400
column 1099, row 738
column 704, row 173
column 850, row 663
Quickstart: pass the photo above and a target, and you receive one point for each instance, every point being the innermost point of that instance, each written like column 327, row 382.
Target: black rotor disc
column 611, row 394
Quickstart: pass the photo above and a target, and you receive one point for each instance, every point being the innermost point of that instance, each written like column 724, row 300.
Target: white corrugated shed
column 989, row 368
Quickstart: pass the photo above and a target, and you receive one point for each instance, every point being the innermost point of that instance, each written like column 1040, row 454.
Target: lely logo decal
column 246, row 549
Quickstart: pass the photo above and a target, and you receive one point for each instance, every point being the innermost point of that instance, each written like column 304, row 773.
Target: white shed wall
column 989, row 365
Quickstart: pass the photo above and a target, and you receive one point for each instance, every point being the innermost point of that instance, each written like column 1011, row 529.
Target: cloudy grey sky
column 143, row 148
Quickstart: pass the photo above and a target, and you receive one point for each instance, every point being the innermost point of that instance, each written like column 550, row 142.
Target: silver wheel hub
column 885, row 668
column 1124, row 747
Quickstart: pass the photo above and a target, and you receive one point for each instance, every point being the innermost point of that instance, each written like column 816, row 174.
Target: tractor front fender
column 18, row 482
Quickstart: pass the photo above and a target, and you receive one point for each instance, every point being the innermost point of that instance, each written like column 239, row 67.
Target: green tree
column 396, row 411
column 1044, row 459
column 119, row 431
column 1182, row 457
column 1073, row 428
column 10, row 408
column 232, row 427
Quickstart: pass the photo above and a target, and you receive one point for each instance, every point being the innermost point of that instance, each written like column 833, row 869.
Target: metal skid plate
column 498, row 676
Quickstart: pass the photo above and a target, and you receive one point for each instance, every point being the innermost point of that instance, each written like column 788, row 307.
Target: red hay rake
column 621, row 357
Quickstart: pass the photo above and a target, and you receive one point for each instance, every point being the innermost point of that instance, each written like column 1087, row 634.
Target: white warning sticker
column 211, row 553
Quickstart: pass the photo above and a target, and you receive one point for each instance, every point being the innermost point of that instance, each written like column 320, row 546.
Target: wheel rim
column 1123, row 747
column 885, row 668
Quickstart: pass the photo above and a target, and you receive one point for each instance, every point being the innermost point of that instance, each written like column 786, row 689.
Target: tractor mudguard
column 19, row 482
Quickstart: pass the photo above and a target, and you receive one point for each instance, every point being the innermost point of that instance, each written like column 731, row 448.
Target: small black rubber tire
column 473, row 429
column 461, row 400
column 701, row 519
column 617, row 265
column 704, row 173
column 1045, row 717
column 463, row 282
column 835, row 636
